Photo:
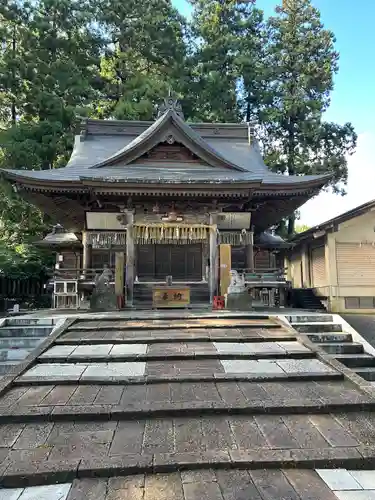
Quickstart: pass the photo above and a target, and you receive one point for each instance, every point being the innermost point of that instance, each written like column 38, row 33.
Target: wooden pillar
column 250, row 252
column 213, row 256
column 119, row 278
column 130, row 258
column 87, row 252
column 225, row 267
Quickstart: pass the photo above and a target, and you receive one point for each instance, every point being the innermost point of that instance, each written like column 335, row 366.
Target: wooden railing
column 78, row 274
column 270, row 275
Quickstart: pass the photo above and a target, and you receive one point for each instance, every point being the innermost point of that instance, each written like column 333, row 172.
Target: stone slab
column 273, row 485
column 51, row 371
column 90, row 351
column 114, row 370
column 355, row 495
column 332, row 431
column 11, row 493
column 49, row 492
column 304, row 366
column 308, row 485
column 9, row 433
column 58, row 351
column 292, row 346
column 338, row 479
column 366, row 478
column 88, row 489
column 128, row 349
column 251, row 366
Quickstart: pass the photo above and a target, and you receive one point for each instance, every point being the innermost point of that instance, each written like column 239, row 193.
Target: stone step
column 30, row 322
column 320, row 338
column 321, row 318
column 25, row 331
column 183, row 324
column 15, row 354
column 317, row 327
column 367, row 372
column 5, row 366
column 346, row 348
column 21, row 342
column 355, row 360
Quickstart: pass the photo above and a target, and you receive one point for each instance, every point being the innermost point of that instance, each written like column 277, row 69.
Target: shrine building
column 160, row 199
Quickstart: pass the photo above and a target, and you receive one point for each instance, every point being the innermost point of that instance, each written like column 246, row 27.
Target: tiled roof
column 105, row 157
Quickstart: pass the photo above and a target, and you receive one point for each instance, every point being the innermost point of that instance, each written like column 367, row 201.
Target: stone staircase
column 305, row 298
column 18, row 337
column 188, row 406
column 322, row 330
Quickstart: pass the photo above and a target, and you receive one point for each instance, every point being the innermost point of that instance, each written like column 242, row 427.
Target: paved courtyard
column 185, row 408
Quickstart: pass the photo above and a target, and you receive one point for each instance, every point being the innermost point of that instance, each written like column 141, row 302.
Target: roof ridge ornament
column 170, row 103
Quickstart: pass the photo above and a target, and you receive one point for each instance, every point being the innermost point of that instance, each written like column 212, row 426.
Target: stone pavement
column 229, row 409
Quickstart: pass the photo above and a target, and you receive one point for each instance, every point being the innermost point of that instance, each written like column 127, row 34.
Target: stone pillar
column 250, row 252
column 87, row 253
column 213, row 256
column 130, row 258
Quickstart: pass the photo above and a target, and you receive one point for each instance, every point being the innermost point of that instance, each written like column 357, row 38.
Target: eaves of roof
column 335, row 221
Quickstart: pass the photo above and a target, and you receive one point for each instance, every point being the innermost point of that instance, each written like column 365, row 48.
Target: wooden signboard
column 225, row 268
column 170, row 296
column 119, row 279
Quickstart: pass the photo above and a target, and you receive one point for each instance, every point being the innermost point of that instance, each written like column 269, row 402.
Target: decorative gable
column 169, row 151
column 169, row 130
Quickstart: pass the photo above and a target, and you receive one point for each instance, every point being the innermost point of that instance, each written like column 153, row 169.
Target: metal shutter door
column 318, row 260
column 296, row 272
column 355, row 264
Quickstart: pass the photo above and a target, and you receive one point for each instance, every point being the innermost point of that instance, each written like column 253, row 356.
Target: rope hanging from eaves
column 178, row 234
column 103, row 239
column 235, row 238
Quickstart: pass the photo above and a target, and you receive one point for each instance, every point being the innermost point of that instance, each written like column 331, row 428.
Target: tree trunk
column 13, row 110
column 291, row 168
column 291, row 223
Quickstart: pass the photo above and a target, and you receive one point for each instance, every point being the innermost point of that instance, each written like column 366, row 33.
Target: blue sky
column 353, row 99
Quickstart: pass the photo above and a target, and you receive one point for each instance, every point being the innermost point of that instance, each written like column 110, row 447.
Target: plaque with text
column 163, row 296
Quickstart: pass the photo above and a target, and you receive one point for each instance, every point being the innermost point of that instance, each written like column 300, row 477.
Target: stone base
column 103, row 300
column 239, row 301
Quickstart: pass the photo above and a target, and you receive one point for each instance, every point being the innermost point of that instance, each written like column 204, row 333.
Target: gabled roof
column 168, row 127
column 270, row 241
column 109, row 151
column 334, row 222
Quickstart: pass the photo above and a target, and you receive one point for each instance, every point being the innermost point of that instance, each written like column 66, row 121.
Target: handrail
column 266, row 276
column 78, row 273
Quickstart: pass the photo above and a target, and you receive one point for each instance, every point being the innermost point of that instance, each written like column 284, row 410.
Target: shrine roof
column 109, row 151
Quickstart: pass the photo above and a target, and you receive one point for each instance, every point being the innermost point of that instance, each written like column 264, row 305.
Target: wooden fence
column 28, row 292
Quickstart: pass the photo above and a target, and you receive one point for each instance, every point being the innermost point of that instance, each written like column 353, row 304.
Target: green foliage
column 303, row 60
column 301, row 228
column 143, row 56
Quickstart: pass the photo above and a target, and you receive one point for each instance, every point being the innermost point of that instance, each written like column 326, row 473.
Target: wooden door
column 182, row 262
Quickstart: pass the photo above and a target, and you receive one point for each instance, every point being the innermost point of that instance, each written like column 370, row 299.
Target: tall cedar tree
column 49, row 60
column 143, row 58
column 304, row 61
column 216, row 30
